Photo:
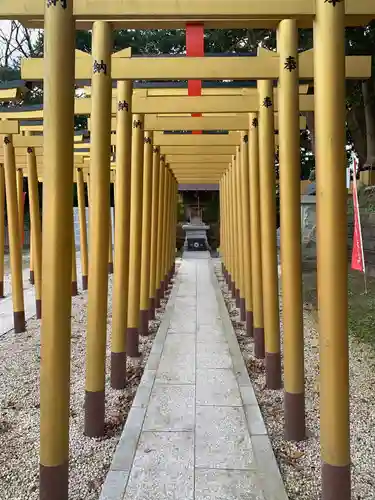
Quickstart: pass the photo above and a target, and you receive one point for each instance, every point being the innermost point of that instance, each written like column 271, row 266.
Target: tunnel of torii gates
column 147, row 167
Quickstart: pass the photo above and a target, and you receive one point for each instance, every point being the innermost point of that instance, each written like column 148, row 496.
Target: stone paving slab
column 171, row 408
column 227, row 484
column 195, row 430
column 222, row 439
column 217, row 387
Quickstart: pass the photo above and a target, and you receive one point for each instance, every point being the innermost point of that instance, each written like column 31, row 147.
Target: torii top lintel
column 176, row 13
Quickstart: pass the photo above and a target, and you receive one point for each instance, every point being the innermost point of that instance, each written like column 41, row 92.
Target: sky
column 5, row 30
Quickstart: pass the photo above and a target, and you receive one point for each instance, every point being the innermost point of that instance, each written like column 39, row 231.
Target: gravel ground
column 19, row 410
column 300, row 462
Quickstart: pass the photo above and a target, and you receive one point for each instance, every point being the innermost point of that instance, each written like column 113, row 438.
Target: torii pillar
column 329, row 40
column 99, row 229
column 290, row 216
column 268, row 234
column 57, row 266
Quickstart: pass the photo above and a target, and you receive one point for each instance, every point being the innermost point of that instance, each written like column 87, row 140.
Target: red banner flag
column 358, row 258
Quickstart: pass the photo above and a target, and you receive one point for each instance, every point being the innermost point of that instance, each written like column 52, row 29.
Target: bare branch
column 15, row 41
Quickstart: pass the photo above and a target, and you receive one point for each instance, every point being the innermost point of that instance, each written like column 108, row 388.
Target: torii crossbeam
column 264, row 66
column 147, row 14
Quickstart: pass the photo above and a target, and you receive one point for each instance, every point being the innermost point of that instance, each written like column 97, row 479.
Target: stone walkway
column 195, row 430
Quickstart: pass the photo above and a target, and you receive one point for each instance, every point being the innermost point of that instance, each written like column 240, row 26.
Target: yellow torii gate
column 329, row 19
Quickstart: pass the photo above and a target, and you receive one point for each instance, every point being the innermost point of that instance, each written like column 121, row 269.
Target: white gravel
column 300, row 462
column 19, row 410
